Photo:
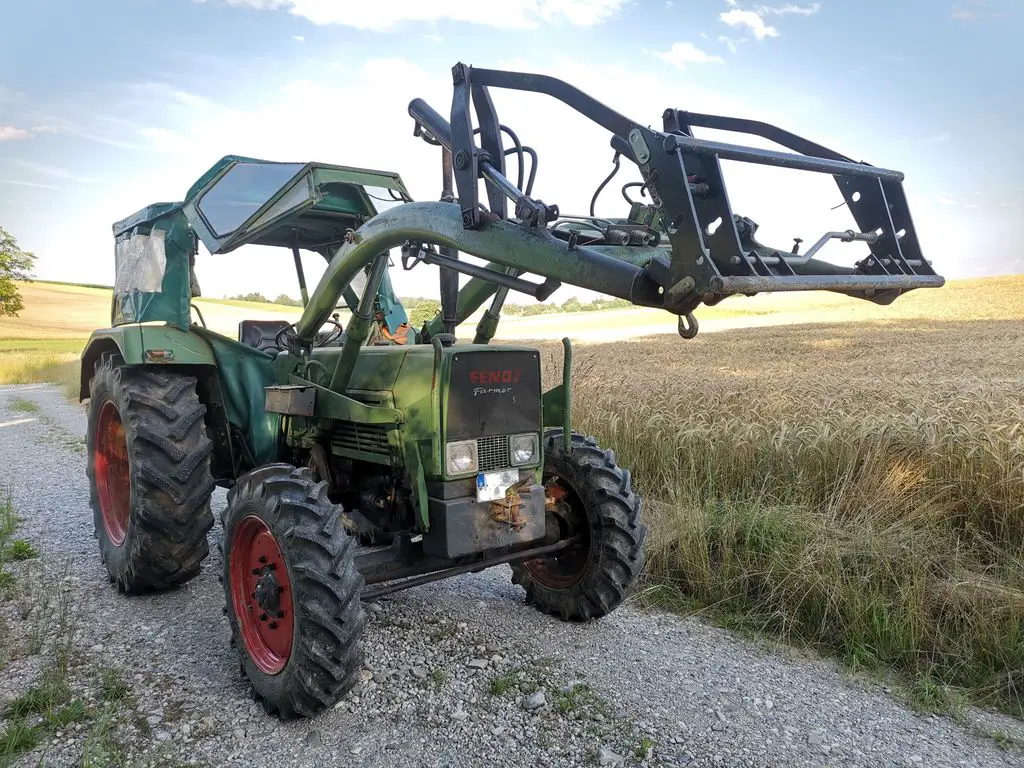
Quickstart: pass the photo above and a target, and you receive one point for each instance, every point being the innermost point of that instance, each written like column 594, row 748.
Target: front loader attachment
column 688, row 242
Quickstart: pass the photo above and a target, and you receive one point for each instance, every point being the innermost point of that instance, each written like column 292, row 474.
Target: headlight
column 523, row 449
column 461, row 457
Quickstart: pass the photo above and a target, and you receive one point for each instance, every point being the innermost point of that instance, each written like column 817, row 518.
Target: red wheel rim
column 261, row 595
column 110, row 459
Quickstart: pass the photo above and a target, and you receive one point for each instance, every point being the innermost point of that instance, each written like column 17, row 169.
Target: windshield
column 383, row 198
column 240, row 192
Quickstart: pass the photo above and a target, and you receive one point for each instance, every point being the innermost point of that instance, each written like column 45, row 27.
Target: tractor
column 363, row 455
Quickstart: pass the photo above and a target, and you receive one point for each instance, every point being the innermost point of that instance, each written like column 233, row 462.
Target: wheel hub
column 261, row 595
column 268, row 593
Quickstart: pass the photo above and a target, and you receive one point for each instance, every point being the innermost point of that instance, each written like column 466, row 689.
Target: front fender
column 144, row 344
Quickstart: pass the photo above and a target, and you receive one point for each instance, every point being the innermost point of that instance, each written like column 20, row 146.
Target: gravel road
column 458, row 673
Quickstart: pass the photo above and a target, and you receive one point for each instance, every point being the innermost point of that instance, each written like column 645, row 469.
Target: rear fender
column 144, row 344
column 179, row 351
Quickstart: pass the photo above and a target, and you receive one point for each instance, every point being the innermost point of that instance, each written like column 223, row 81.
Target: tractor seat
column 261, row 334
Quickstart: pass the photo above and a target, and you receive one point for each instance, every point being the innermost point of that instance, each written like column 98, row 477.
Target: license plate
column 492, row 486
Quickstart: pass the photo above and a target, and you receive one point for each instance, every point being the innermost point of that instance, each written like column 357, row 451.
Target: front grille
column 368, row 438
column 492, row 453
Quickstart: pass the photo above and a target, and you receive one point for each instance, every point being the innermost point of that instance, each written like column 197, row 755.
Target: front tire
column 590, row 496
column 149, row 474
column 292, row 590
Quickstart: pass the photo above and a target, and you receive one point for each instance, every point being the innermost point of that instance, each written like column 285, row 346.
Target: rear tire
column 149, row 474
column 595, row 500
column 292, row 590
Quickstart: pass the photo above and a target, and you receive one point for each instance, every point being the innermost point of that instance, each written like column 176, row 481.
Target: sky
column 109, row 105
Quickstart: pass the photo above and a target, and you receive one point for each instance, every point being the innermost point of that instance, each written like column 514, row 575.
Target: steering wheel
column 321, row 340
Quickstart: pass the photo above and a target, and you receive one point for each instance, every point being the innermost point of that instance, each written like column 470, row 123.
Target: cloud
column 750, row 19
column 731, row 43
column 979, row 11
column 958, row 203
column 55, row 172
column 1010, row 204
column 20, row 183
column 682, row 54
column 513, row 14
column 10, row 133
column 790, row 9
column 298, row 38
column 434, row 38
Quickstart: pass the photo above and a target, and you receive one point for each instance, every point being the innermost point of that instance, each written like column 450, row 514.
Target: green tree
column 421, row 310
column 14, row 265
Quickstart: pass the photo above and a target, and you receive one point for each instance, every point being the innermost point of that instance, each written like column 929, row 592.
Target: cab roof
column 243, row 200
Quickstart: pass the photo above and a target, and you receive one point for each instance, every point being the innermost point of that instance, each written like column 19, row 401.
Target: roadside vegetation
column 59, row 689
column 858, row 489
column 33, row 361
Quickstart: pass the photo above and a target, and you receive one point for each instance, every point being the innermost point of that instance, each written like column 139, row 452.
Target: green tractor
column 367, row 456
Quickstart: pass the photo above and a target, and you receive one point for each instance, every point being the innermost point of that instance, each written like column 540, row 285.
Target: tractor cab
column 246, row 201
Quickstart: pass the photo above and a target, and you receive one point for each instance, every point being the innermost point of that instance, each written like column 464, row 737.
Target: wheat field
column 857, row 488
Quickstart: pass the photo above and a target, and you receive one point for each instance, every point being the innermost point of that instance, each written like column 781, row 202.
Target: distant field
column 59, row 311
column 988, row 298
column 43, row 343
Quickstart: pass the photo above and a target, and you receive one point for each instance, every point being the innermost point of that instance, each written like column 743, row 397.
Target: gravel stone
column 534, row 701
column 657, row 680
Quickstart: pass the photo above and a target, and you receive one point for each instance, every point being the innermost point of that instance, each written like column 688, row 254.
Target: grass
column 502, row 683
column 42, row 601
column 39, row 365
column 8, row 523
column 852, row 488
column 102, row 749
column 20, row 549
column 113, row 686
column 22, row 405
column 46, row 696
column 17, row 737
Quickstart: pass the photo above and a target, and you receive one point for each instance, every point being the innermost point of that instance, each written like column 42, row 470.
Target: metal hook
column 688, row 325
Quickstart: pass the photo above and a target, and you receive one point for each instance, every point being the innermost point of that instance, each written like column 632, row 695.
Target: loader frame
column 683, row 175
